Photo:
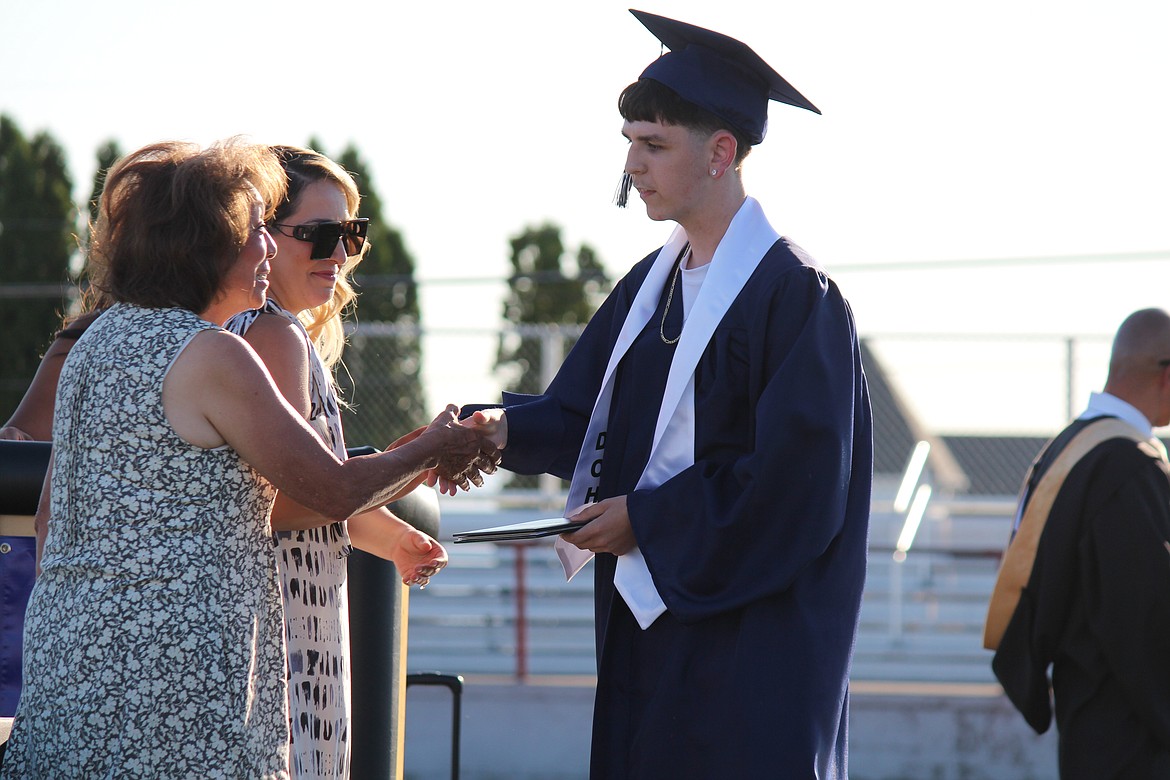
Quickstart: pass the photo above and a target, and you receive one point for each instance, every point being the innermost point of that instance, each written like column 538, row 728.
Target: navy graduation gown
column 758, row 549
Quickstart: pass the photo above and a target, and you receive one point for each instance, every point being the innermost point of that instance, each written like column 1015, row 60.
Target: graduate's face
column 299, row 282
column 669, row 164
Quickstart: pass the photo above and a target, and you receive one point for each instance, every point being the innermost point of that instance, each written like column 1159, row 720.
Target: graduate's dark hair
column 647, row 100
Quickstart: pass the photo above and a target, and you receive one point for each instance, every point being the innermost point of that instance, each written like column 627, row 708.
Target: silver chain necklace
column 670, row 297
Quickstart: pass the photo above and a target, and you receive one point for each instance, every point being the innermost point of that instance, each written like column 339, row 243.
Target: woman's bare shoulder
column 217, row 353
column 277, row 340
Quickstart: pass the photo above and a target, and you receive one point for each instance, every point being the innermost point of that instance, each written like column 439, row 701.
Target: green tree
column 37, row 240
column 385, row 278
column 548, row 286
column 107, row 154
column 382, row 377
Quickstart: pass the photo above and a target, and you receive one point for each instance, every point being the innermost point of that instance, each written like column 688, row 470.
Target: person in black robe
column 756, row 541
column 1096, row 606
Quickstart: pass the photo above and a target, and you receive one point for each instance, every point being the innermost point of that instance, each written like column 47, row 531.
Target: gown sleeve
column 1125, row 583
column 733, row 529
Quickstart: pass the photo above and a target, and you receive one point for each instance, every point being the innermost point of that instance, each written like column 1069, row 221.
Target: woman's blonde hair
column 305, row 167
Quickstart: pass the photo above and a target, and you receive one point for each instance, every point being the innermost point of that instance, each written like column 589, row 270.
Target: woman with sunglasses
column 298, row 335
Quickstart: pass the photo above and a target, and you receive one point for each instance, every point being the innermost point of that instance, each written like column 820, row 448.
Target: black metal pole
column 377, row 657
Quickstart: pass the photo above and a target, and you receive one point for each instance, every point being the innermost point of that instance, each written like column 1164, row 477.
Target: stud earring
column 714, row 172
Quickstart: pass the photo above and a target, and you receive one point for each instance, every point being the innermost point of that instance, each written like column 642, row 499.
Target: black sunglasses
column 325, row 235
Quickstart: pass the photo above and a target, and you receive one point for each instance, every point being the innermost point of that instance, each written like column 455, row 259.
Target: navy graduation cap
column 718, row 73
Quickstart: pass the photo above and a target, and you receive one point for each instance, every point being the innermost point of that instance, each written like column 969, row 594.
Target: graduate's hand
column 492, row 423
column 454, row 470
column 608, row 531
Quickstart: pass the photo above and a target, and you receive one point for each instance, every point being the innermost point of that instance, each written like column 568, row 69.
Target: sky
column 993, row 167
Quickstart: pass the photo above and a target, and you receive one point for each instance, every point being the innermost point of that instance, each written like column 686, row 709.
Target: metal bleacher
column 934, row 631
column 921, row 619
column 466, row 620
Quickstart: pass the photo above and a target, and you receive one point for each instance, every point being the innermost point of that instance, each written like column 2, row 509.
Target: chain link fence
column 992, row 400
column 380, row 384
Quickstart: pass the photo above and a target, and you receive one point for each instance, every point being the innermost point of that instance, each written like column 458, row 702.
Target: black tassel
column 622, row 196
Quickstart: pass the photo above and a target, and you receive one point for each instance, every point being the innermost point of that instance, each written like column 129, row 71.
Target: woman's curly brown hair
column 173, row 218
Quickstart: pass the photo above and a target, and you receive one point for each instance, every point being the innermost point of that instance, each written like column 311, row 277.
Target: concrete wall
column 897, row 732
column 948, row 733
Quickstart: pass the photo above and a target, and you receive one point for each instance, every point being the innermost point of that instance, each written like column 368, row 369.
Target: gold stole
column 1016, row 568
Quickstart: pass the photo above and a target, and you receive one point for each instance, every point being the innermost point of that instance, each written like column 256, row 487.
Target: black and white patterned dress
column 312, row 565
column 153, row 642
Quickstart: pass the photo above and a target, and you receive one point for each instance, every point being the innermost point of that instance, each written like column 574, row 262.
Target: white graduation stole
column 748, row 239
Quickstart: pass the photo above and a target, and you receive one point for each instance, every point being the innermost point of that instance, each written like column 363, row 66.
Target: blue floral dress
column 153, row 644
column 312, row 566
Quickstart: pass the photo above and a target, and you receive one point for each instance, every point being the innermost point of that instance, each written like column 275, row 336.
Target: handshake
column 462, row 450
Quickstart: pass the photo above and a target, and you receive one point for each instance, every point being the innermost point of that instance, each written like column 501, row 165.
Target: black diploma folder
column 532, row 529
